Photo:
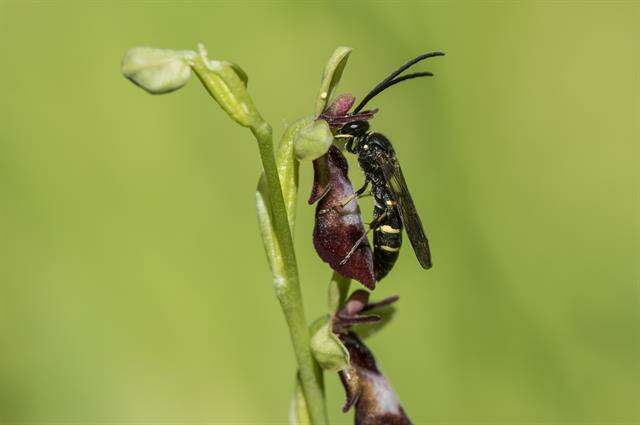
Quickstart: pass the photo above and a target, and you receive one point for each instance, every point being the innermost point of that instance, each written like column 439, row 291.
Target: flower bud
column 227, row 84
column 157, row 70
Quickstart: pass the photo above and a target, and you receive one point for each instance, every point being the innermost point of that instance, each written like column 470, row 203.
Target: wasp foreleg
column 343, row 203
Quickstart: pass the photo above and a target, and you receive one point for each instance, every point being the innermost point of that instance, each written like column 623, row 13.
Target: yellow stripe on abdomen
column 385, row 228
column 388, row 248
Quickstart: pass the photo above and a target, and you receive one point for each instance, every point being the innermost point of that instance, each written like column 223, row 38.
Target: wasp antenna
column 410, row 76
column 389, row 81
column 381, row 87
column 409, row 64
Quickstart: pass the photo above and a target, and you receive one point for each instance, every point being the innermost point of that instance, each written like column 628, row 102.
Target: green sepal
column 318, row 323
column 331, row 76
column 313, row 140
column 327, row 348
column 241, row 74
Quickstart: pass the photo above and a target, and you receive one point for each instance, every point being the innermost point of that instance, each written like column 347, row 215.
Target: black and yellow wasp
column 394, row 208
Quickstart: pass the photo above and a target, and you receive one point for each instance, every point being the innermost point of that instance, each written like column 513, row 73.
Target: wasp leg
column 360, row 191
column 357, row 194
column 373, row 225
column 349, row 145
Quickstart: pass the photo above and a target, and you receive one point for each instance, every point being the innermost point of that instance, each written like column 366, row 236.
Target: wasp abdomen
column 387, row 240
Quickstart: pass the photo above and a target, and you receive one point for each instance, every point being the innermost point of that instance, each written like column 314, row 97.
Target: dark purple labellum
column 365, row 386
column 338, row 228
column 376, row 402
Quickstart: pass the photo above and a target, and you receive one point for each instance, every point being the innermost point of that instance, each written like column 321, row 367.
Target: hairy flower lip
column 376, row 402
column 365, row 386
column 351, row 383
column 338, row 228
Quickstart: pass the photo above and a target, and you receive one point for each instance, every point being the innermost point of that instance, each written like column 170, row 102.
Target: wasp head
column 354, row 132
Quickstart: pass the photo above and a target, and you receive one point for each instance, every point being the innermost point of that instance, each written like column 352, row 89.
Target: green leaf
column 331, row 76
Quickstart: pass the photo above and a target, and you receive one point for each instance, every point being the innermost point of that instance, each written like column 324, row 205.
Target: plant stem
column 288, row 285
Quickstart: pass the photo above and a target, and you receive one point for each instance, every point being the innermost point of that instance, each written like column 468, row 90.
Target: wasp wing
column 404, row 205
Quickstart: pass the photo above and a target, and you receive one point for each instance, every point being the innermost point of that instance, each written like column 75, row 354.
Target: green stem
column 287, row 285
column 228, row 87
column 227, row 84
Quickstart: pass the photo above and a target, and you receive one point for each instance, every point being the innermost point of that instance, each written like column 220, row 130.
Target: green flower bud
column 313, row 140
column 157, row 70
column 226, row 83
column 241, row 74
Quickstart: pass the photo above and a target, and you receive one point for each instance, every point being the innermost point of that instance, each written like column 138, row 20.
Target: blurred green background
column 133, row 284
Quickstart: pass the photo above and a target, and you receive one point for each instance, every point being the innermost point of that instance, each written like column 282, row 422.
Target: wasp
column 393, row 205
